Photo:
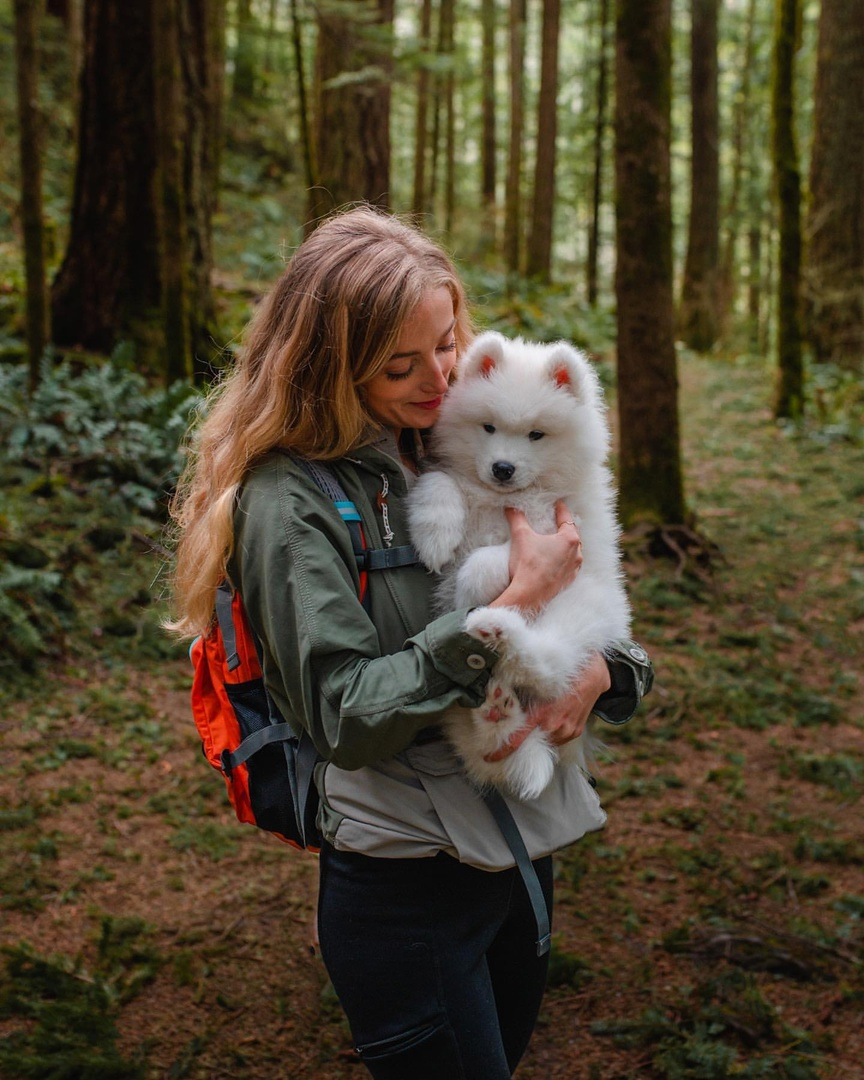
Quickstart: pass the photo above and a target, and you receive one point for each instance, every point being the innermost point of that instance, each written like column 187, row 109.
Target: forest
column 677, row 187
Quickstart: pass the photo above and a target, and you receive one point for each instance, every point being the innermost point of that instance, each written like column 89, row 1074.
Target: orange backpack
column 267, row 766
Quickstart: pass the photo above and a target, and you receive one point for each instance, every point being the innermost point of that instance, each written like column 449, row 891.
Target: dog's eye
column 535, row 435
column 489, row 429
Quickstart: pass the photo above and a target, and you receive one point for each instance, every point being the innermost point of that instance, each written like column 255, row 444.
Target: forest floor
column 713, row 929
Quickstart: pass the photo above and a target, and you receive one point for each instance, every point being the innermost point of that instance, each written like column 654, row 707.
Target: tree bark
column 789, row 401
column 539, row 255
column 27, row 17
column 421, row 121
column 599, row 155
column 352, row 90
column 446, row 48
column 835, row 263
column 699, row 312
column 489, row 150
column 513, row 194
column 651, row 483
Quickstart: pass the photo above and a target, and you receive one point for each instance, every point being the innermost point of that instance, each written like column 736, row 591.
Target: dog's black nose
column 503, row 470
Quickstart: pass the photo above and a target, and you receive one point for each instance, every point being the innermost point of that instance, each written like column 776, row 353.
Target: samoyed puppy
column 523, row 426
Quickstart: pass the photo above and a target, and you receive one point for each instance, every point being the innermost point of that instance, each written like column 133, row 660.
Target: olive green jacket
column 363, row 686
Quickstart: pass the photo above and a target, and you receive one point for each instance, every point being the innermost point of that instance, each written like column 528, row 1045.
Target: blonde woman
column 425, row 924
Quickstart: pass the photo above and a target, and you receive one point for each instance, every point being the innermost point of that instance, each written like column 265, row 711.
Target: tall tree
column 489, row 149
column 539, row 254
column 27, row 17
column 650, row 475
column 835, row 261
column 601, row 107
column 446, row 47
column 699, row 312
column 789, row 401
column 352, row 103
column 111, row 285
column 513, row 193
column 421, row 116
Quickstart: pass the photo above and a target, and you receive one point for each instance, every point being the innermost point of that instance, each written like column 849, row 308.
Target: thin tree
column 835, row 250
column 539, row 253
column 307, row 149
column 421, row 116
column 602, row 105
column 513, row 192
column 352, row 103
column 27, row 16
column 489, row 149
column 650, row 475
column 698, row 317
column 789, row 401
column 446, row 48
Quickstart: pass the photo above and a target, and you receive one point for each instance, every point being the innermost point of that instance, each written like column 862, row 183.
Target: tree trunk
column 835, row 264
column 244, row 84
column 699, row 313
column 651, row 484
column 108, row 287
column 489, row 148
column 446, row 48
column 352, row 89
column 114, row 283
column 539, row 257
column 310, row 170
column 421, row 122
column 513, row 194
column 171, row 196
column 789, row 402
column 741, row 138
column 27, row 16
column 599, row 140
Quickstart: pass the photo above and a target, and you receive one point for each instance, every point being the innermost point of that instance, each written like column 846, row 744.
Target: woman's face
column 409, row 391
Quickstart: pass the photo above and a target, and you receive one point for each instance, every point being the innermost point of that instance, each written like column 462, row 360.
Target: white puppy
column 523, row 426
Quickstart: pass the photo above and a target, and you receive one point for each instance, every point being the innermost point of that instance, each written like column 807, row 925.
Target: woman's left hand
column 564, row 719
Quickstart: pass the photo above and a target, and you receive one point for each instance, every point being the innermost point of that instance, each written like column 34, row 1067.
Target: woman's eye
column 489, row 428
column 394, row 375
column 449, row 347
column 535, row 435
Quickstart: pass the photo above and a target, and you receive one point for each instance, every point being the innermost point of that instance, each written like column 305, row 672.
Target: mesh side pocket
column 272, row 769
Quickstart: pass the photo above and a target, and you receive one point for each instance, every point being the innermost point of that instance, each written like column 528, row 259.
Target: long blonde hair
column 327, row 328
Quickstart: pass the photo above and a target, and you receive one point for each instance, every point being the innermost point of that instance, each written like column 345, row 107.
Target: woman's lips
column 435, row 403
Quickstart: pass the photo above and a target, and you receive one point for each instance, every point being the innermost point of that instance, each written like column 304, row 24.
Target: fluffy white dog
column 523, row 426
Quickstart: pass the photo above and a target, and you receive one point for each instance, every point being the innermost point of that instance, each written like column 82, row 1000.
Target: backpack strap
column 500, row 811
column 225, row 619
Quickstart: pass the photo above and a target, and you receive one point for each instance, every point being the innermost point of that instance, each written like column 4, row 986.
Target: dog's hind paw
column 501, row 704
column 494, row 626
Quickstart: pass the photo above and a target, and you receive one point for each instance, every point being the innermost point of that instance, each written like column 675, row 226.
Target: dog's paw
column 501, row 704
column 495, row 627
column 529, row 769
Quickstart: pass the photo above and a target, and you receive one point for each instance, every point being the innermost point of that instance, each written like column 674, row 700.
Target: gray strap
column 225, row 619
column 501, row 812
column 306, row 759
column 253, row 743
column 388, row 558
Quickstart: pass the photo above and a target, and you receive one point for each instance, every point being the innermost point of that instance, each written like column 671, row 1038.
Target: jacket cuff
column 453, row 653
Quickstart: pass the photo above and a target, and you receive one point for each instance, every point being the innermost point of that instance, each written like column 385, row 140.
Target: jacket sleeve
column 324, row 663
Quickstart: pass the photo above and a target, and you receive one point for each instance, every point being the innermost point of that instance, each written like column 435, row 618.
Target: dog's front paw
column 494, row 627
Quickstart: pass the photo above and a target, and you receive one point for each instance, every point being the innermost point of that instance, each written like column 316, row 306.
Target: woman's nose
column 438, row 375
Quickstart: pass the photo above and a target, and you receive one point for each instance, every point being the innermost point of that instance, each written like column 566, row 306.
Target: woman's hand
column 564, row 719
column 541, row 564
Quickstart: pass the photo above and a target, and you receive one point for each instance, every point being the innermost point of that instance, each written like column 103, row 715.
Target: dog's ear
column 484, row 356
column 569, row 369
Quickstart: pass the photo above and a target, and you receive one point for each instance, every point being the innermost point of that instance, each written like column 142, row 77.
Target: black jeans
column 434, row 962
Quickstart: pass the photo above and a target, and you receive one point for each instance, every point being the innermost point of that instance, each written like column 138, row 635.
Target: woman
column 426, row 926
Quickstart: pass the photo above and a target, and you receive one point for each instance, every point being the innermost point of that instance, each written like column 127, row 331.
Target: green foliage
column 61, row 1017
column 103, row 426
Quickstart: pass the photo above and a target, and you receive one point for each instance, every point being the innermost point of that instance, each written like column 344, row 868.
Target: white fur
column 458, row 526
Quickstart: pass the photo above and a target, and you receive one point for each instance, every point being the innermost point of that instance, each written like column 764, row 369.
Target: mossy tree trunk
column 539, row 254
column 835, row 250
column 419, row 199
column 698, row 315
column 489, row 149
column 27, row 16
column 352, row 104
column 650, row 475
column 446, row 47
column 789, row 400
